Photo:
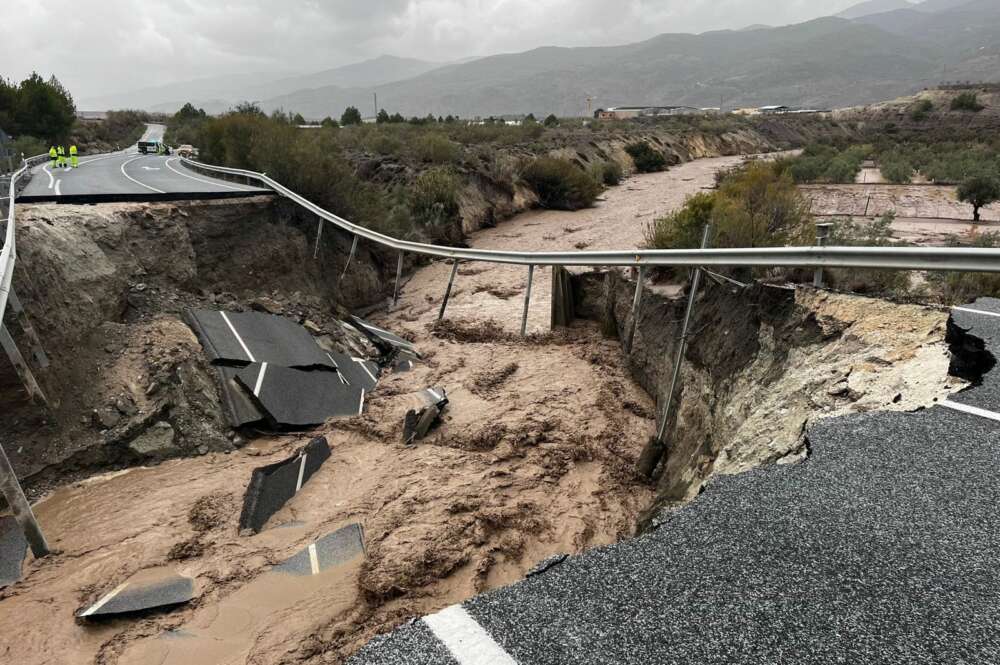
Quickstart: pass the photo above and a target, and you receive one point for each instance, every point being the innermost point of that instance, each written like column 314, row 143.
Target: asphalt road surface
column 881, row 547
column 127, row 175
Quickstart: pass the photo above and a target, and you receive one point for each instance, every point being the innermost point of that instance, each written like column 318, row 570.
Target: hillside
column 874, row 7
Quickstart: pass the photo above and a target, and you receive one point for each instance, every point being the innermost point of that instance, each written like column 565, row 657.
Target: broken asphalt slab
column 332, row 550
column 13, row 549
column 273, row 485
column 296, row 398
column 146, row 590
column 418, row 421
column 386, row 341
column 240, row 338
column 974, row 336
column 356, row 371
column 880, row 548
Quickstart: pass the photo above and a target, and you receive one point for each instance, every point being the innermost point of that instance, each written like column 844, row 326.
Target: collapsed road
column 879, row 548
column 533, row 458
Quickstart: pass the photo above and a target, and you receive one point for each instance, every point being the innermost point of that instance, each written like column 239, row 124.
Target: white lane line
column 313, row 559
column 974, row 410
column 102, row 157
column 58, row 182
column 207, row 182
column 141, row 184
column 466, row 639
column 302, row 472
column 974, row 311
column 237, row 336
column 104, row 601
column 260, row 380
column 361, row 362
column 52, row 179
column 361, row 402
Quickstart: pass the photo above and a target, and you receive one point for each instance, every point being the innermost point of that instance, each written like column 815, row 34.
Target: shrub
column 384, row 144
column 921, row 110
column 551, row 120
column 646, row 158
column 682, row 229
column 875, row 234
column 956, row 288
column 967, row 101
column 434, row 199
column 611, row 174
column 560, row 185
column 436, row 149
column 897, row 171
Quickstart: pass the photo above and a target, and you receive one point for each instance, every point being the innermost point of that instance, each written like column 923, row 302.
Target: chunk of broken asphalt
column 146, row 590
column 273, row 485
column 418, row 422
column 239, row 338
column 296, row 398
column 332, row 550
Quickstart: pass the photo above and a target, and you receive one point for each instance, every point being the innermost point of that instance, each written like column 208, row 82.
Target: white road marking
column 974, row 311
column 361, row 362
column 141, row 184
column 974, row 410
column 466, row 639
column 437, row 398
column 207, row 182
column 104, row 601
column 52, row 179
column 260, row 380
column 58, row 182
column 361, row 402
column 340, row 374
column 313, row 559
column 237, row 336
column 102, row 157
column 302, row 472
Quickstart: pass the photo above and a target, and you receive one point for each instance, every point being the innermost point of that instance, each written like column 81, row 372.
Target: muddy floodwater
column 534, row 458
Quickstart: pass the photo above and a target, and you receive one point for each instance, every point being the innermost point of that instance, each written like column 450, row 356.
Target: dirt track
column 534, row 458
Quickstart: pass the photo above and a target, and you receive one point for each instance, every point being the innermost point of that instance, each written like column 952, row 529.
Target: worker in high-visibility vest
column 61, row 160
column 74, row 162
column 53, row 155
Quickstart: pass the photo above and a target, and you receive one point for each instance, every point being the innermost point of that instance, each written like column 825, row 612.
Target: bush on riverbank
column 560, row 185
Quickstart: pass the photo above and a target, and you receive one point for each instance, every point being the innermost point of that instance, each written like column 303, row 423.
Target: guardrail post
column 319, row 235
column 19, row 505
column 527, row 301
column 37, row 351
column 640, row 282
column 20, row 366
column 350, row 257
column 399, row 276
column 653, row 452
column 822, row 234
column 447, row 292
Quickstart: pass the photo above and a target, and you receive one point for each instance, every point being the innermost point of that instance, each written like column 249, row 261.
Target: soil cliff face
column 105, row 287
column 763, row 362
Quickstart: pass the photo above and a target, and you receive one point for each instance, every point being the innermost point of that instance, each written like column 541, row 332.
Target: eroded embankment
column 106, row 286
column 763, row 362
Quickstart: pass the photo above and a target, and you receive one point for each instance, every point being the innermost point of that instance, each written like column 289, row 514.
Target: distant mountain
column 379, row 71
column 823, row 63
column 874, row 7
column 944, row 5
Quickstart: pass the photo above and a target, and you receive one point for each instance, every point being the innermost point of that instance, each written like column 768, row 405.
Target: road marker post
column 653, row 452
column 447, row 292
column 527, row 300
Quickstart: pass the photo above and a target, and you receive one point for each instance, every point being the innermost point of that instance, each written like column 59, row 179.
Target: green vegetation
column 646, row 158
column 436, row 149
column 351, row 116
column 954, row 288
column 967, row 101
column 551, row 121
column 877, row 233
column 828, row 164
column 36, row 110
column 183, row 127
column 610, row 174
column 434, row 199
column 921, row 110
column 119, row 130
column 559, row 184
column 979, row 191
column 756, row 205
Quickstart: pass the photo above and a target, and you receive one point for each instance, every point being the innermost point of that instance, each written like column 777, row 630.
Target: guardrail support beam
column 21, row 367
column 651, row 455
column 319, row 236
column 399, row 277
column 19, row 505
column 636, row 301
column 37, row 351
column 822, row 234
column 447, row 291
column 527, row 301
column 350, row 257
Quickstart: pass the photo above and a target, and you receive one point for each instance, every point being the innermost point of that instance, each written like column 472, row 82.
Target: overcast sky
column 105, row 46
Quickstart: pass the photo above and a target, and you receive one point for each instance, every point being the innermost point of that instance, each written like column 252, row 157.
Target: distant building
column 92, row 116
column 629, row 112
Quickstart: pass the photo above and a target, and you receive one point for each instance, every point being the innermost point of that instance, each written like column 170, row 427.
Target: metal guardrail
column 964, row 259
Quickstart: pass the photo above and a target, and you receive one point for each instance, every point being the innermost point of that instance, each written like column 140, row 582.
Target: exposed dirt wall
column 764, row 361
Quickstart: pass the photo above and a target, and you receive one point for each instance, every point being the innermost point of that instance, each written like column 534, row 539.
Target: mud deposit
column 535, row 455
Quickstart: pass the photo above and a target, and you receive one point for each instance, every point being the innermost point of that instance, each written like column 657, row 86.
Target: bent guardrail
column 964, row 259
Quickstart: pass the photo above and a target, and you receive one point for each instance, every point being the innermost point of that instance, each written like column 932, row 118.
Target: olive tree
column 979, row 191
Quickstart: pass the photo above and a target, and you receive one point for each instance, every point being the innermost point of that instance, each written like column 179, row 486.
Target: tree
column 43, row 108
column 248, row 108
column 979, row 191
column 351, row 116
column 188, row 112
column 552, row 120
column 382, row 117
column 329, row 122
column 530, row 119
column 298, row 119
